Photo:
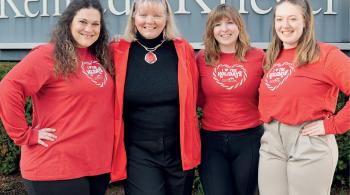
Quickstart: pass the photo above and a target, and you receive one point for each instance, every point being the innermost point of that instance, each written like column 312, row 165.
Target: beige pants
column 292, row 164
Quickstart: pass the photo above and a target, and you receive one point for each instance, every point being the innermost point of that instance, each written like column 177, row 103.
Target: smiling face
column 85, row 27
column 289, row 24
column 226, row 33
column 150, row 19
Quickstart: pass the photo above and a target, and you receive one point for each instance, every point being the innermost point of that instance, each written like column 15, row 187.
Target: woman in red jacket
column 68, row 148
column 230, row 73
column 156, row 93
column 298, row 97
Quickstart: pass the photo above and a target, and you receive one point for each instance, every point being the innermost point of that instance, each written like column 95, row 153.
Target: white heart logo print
column 94, row 71
column 278, row 74
column 230, row 76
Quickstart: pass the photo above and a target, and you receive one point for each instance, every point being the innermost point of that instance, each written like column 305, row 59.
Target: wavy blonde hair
column 212, row 49
column 170, row 30
column 307, row 50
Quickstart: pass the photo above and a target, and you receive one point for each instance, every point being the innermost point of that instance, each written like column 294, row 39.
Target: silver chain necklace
column 150, row 56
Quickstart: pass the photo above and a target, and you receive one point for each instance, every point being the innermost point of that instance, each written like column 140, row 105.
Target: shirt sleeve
column 25, row 79
column 337, row 69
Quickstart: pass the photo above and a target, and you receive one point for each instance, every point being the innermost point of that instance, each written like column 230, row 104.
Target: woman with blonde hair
column 156, row 87
column 298, row 97
column 230, row 73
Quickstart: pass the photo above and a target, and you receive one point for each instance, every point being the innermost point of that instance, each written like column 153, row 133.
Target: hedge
column 9, row 153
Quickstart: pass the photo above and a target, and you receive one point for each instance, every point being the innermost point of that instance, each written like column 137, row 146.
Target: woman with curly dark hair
column 68, row 148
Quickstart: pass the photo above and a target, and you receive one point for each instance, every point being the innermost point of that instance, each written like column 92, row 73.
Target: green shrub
column 342, row 173
column 9, row 152
column 5, row 67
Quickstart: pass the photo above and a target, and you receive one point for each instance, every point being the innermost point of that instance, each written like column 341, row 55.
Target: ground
column 11, row 185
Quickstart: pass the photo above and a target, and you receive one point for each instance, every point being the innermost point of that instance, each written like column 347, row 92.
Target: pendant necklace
column 150, row 56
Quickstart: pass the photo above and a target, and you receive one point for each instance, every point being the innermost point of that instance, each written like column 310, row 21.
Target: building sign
column 42, row 6
column 26, row 23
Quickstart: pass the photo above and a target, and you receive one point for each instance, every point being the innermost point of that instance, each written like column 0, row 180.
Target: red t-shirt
column 294, row 95
column 229, row 91
column 80, row 108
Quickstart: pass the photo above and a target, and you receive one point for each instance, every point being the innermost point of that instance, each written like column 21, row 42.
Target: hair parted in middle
column 170, row 31
column 308, row 50
column 212, row 49
column 64, row 44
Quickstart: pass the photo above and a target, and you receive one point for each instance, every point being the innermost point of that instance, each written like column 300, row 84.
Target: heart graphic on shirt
column 229, row 76
column 95, row 72
column 278, row 74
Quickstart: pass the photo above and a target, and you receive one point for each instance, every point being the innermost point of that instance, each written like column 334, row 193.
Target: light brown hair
column 212, row 49
column 307, row 50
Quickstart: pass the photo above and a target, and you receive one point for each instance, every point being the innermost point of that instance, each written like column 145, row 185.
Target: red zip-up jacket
column 188, row 89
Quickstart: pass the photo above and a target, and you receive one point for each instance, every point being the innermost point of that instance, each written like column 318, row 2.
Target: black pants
column 154, row 168
column 91, row 185
column 230, row 161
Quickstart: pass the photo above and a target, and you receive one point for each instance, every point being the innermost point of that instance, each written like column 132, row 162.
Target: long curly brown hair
column 64, row 44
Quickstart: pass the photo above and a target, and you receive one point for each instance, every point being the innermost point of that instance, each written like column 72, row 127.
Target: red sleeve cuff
column 33, row 136
column 329, row 126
